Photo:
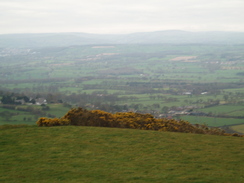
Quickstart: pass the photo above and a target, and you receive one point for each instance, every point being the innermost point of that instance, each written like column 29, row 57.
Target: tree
column 165, row 109
column 7, row 100
column 226, row 97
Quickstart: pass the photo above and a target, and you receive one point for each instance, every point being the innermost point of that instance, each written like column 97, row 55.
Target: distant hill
column 159, row 37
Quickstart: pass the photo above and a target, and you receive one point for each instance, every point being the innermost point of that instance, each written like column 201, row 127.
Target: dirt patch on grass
column 185, row 58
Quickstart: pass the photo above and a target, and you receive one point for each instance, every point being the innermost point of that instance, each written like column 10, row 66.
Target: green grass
column 58, row 110
column 211, row 121
column 238, row 128
column 236, row 113
column 235, row 90
column 21, row 117
column 89, row 154
column 225, row 109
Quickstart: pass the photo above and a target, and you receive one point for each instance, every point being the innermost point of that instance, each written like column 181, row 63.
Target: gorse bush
column 83, row 117
column 52, row 122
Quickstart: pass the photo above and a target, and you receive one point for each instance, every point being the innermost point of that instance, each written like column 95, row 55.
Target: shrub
column 83, row 117
column 52, row 122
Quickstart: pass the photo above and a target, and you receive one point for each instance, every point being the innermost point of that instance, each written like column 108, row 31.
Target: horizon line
column 167, row 30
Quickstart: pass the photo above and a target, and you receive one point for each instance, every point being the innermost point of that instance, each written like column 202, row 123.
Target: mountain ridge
column 157, row 37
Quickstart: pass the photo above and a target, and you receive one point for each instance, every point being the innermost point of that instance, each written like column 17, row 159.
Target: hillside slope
column 92, row 154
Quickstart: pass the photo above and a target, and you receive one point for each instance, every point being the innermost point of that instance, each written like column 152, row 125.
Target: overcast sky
column 120, row 16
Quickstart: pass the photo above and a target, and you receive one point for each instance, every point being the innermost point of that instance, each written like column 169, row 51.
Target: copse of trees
column 9, row 100
column 83, row 117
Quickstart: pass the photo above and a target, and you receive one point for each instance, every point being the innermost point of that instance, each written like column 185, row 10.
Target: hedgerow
column 83, row 117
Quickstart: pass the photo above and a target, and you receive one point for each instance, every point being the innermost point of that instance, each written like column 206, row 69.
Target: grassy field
column 89, row 154
column 58, row 110
column 21, row 117
column 211, row 121
column 225, row 109
column 155, row 69
column 238, row 128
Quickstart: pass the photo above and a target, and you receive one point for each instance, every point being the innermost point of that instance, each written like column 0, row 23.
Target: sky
column 120, row 16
